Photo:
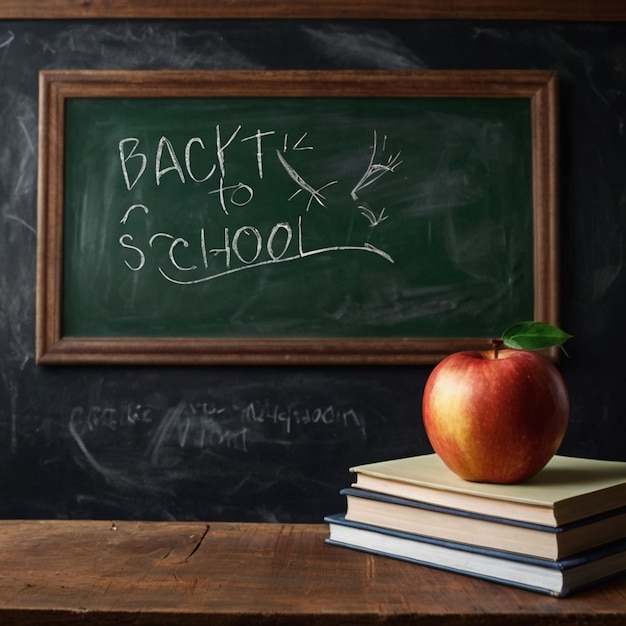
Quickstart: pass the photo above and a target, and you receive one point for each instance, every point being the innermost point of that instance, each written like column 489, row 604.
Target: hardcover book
column 557, row 578
column 488, row 531
column 566, row 490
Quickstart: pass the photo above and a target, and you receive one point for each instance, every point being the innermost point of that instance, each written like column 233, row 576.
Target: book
column 566, row 490
column 487, row 531
column 557, row 578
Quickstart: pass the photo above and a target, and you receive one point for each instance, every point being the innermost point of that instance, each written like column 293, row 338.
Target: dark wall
column 246, row 443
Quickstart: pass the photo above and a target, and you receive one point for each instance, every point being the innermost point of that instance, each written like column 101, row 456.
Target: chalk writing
column 186, row 430
column 376, row 170
column 215, row 251
column 291, row 416
column 95, row 418
column 208, row 424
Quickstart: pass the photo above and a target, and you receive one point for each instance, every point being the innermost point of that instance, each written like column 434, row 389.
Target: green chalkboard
column 327, row 214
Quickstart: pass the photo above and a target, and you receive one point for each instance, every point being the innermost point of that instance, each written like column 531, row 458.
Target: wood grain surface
column 100, row 572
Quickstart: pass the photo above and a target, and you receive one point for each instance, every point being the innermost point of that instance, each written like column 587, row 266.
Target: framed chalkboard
column 235, row 217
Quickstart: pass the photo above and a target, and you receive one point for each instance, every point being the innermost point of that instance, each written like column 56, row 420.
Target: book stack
column 562, row 530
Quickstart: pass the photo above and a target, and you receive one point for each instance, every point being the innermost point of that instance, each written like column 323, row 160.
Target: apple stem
column 497, row 344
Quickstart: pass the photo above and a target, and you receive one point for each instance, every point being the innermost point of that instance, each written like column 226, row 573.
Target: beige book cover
column 566, row 490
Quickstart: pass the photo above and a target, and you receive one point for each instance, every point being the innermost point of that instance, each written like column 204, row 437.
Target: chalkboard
column 282, row 217
column 271, row 443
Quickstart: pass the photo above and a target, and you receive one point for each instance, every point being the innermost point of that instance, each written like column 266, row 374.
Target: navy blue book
column 487, row 531
column 556, row 578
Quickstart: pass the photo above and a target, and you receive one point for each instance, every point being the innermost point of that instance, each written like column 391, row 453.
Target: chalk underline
column 301, row 255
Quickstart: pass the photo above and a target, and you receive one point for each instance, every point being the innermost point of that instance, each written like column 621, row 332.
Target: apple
column 496, row 416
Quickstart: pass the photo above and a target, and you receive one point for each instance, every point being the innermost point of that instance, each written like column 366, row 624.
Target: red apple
column 495, row 416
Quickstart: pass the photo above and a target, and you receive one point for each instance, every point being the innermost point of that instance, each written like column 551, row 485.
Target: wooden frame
column 56, row 87
column 584, row 10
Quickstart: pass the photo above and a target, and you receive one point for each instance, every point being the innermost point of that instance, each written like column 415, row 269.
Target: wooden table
column 155, row 573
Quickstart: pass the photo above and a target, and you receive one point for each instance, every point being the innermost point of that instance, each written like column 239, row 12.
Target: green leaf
column 534, row 336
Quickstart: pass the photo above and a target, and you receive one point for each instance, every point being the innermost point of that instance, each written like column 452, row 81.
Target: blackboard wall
column 274, row 444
